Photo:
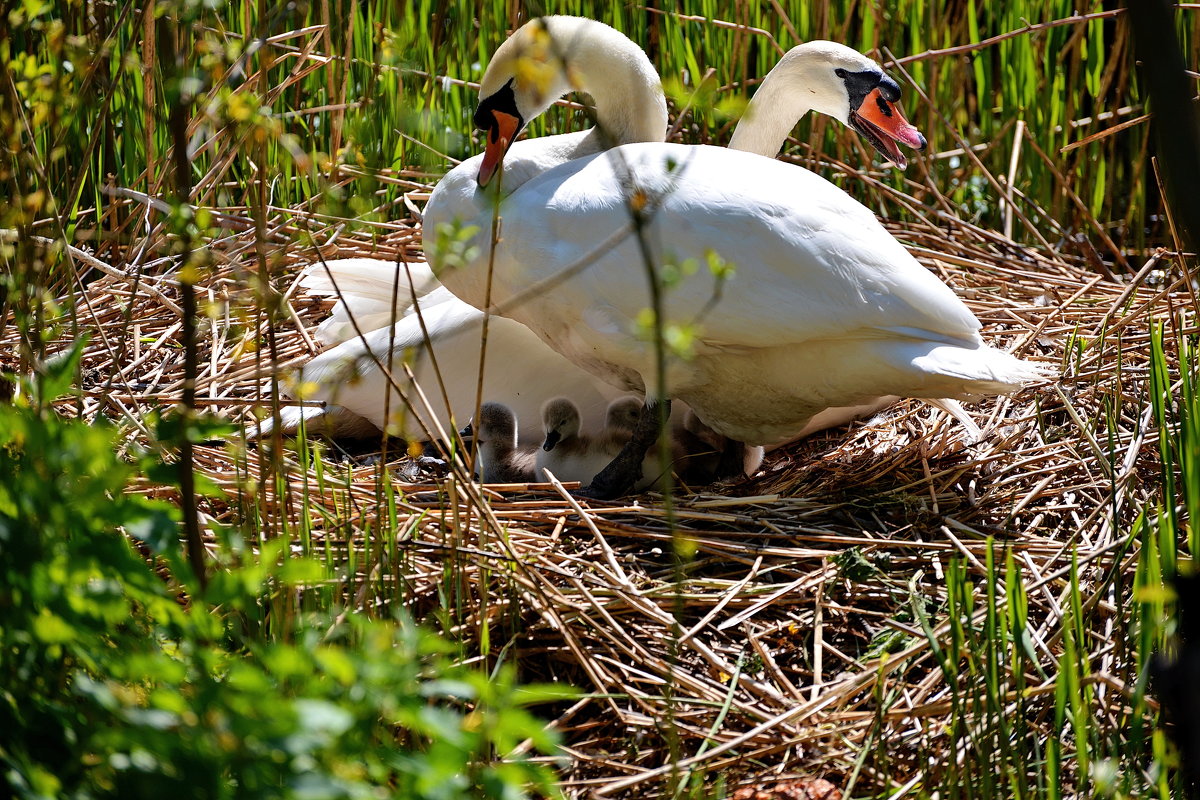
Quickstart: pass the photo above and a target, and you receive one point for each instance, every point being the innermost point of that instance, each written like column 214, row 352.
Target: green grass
column 384, row 90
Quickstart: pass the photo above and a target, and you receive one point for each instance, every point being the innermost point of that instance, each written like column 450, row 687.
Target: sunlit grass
column 380, row 101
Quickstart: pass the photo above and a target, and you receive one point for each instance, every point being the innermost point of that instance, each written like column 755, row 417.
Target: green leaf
column 156, row 526
column 50, row 628
column 57, row 373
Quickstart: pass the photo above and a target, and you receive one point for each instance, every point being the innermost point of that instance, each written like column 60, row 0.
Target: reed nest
column 795, row 623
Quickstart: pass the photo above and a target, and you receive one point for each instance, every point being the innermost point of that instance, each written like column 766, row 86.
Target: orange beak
column 500, row 136
column 883, row 124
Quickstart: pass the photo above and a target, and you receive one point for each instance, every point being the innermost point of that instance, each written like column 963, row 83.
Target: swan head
column 855, row 90
column 560, row 419
column 548, row 57
column 623, row 414
column 523, row 78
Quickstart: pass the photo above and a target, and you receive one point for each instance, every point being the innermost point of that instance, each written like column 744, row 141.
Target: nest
column 824, row 617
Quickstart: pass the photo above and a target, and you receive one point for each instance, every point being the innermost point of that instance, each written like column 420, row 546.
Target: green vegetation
column 118, row 683
column 901, row 615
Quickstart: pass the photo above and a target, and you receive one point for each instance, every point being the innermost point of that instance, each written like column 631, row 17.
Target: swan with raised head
column 352, row 373
column 825, row 308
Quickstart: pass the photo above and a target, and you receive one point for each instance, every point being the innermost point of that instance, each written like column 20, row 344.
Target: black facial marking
column 504, row 100
column 859, row 85
column 885, row 107
column 889, row 89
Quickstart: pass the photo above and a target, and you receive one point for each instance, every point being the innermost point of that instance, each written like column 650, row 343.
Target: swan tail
column 371, row 293
column 981, row 371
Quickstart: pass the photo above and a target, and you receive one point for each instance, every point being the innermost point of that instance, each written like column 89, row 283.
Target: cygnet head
column 831, row 78
column 560, row 418
column 497, row 425
column 623, row 414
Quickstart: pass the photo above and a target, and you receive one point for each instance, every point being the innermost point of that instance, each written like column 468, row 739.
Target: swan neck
column 624, row 86
column 776, row 108
column 791, row 89
column 638, row 114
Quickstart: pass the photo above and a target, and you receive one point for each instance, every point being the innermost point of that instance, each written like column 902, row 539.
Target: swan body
column 825, row 308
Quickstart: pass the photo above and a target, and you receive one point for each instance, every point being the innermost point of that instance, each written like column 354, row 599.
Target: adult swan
column 522, row 371
column 825, row 307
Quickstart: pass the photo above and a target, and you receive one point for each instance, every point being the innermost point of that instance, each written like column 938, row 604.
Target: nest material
column 771, row 630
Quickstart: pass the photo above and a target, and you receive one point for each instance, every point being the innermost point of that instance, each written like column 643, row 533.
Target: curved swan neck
column 795, row 86
column 626, row 90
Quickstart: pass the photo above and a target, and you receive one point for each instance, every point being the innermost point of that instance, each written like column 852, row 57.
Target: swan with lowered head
column 521, row 370
column 825, row 307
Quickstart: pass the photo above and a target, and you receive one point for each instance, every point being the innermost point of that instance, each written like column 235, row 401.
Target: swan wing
column 809, row 262
column 371, row 293
column 521, row 372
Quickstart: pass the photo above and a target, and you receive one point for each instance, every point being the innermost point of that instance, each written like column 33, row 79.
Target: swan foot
column 624, row 471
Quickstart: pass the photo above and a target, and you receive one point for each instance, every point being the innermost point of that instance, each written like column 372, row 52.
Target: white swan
column 825, row 309
column 521, row 371
column 350, row 376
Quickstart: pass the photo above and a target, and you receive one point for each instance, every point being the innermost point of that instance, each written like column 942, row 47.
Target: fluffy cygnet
column 709, row 456
column 568, row 454
column 572, row 456
column 500, row 460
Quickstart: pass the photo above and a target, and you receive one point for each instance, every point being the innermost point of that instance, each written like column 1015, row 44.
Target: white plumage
column 825, row 308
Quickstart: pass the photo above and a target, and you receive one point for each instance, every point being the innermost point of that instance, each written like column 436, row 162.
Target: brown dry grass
column 828, row 662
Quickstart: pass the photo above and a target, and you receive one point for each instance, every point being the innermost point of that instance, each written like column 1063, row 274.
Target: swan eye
column 889, row 89
column 841, row 73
